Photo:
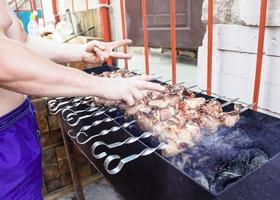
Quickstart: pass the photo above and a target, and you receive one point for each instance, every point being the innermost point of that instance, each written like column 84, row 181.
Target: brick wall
column 56, row 172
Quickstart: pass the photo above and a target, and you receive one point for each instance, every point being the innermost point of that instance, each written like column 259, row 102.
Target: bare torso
column 9, row 27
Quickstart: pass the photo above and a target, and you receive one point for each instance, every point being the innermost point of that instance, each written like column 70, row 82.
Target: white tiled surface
column 241, row 38
column 246, row 12
column 234, row 75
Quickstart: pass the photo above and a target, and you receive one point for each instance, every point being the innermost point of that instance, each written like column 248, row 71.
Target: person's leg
column 20, row 155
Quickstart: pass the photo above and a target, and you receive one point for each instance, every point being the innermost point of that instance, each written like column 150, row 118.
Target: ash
column 225, row 157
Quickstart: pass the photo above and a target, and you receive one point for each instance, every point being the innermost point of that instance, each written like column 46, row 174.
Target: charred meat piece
column 213, row 108
column 229, row 119
column 191, row 104
column 209, row 124
column 175, row 116
column 146, row 121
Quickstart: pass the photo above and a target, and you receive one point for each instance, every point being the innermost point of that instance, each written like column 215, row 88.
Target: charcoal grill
column 147, row 174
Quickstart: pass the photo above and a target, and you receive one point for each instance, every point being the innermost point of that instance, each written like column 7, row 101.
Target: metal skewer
column 95, row 123
column 94, row 114
column 128, row 159
column 129, row 140
column 75, row 100
column 230, row 102
column 191, row 87
column 104, row 132
column 178, row 84
column 246, row 108
column 65, row 108
column 168, row 81
column 67, row 116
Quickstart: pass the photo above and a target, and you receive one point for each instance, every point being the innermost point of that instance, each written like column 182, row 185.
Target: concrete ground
column 160, row 65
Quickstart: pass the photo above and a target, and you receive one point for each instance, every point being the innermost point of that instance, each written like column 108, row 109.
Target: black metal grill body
column 154, row 177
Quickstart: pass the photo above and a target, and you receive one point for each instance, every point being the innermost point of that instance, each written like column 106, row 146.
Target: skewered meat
column 124, row 73
column 176, row 116
column 229, row 119
column 164, row 102
column 178, row 138
column 146, row 121
column 191, row 104
column 213, row 108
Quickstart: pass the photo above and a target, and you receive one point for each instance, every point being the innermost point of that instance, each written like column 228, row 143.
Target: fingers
column 120, row 55
column 120, row 43
column 93, row 44
column 129, row 99
column 144, row 78
column 145, row 85
column 136, row 94
column 99, row 55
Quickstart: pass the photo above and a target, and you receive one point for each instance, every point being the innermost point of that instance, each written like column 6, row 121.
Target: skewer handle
column 116, row 144
column 123, row 161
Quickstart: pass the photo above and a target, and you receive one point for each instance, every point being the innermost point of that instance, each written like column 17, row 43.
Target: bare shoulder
column 9, row 23
column 5, row 17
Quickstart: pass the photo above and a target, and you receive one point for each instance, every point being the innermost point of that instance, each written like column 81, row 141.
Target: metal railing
column 105, row 24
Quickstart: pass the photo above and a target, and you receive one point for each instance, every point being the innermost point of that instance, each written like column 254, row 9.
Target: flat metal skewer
column 129, row 140
column 128, row 159
column 95, row 123
column 191, row 87
column 230, row 102
column 247, row 108
column 104, row 132
column 94, row 114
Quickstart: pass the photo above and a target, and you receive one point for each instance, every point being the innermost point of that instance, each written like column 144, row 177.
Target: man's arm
column 24, row 71
column 57, row 52
column 93, row 52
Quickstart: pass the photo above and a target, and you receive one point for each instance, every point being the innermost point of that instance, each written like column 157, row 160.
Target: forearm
column 23, row 71
column 57, row 52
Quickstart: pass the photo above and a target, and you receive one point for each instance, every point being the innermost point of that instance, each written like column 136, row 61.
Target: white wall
column 235, row 51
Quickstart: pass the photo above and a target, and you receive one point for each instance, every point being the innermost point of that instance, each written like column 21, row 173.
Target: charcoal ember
column 240, row 164
column 180, row 161
column 200, row 178
column 256, row 162
column 258, row 158
column 224, row 180
column 255, row 152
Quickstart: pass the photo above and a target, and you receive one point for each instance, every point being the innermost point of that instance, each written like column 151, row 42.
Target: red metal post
column 105, row 24
column 87, row 4
column 173, row 39
column 124, row 30
column 42, row 10
column 54, row 6
column 16, row 4
column 260, row 53
column 57, row 6
column 31, row 6
column 145, row 32
column 34, row 6
column 210, row 46
column 73, row 6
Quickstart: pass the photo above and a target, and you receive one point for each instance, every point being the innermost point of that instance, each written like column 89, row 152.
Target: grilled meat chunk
column 176, row 116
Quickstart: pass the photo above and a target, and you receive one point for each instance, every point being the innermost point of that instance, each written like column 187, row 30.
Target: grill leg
column 72, row 165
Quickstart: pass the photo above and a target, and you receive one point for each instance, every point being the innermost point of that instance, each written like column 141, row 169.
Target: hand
column 98, row 52
column 128, row 90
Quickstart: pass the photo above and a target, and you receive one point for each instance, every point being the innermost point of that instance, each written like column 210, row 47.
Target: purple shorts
column 20, row 155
